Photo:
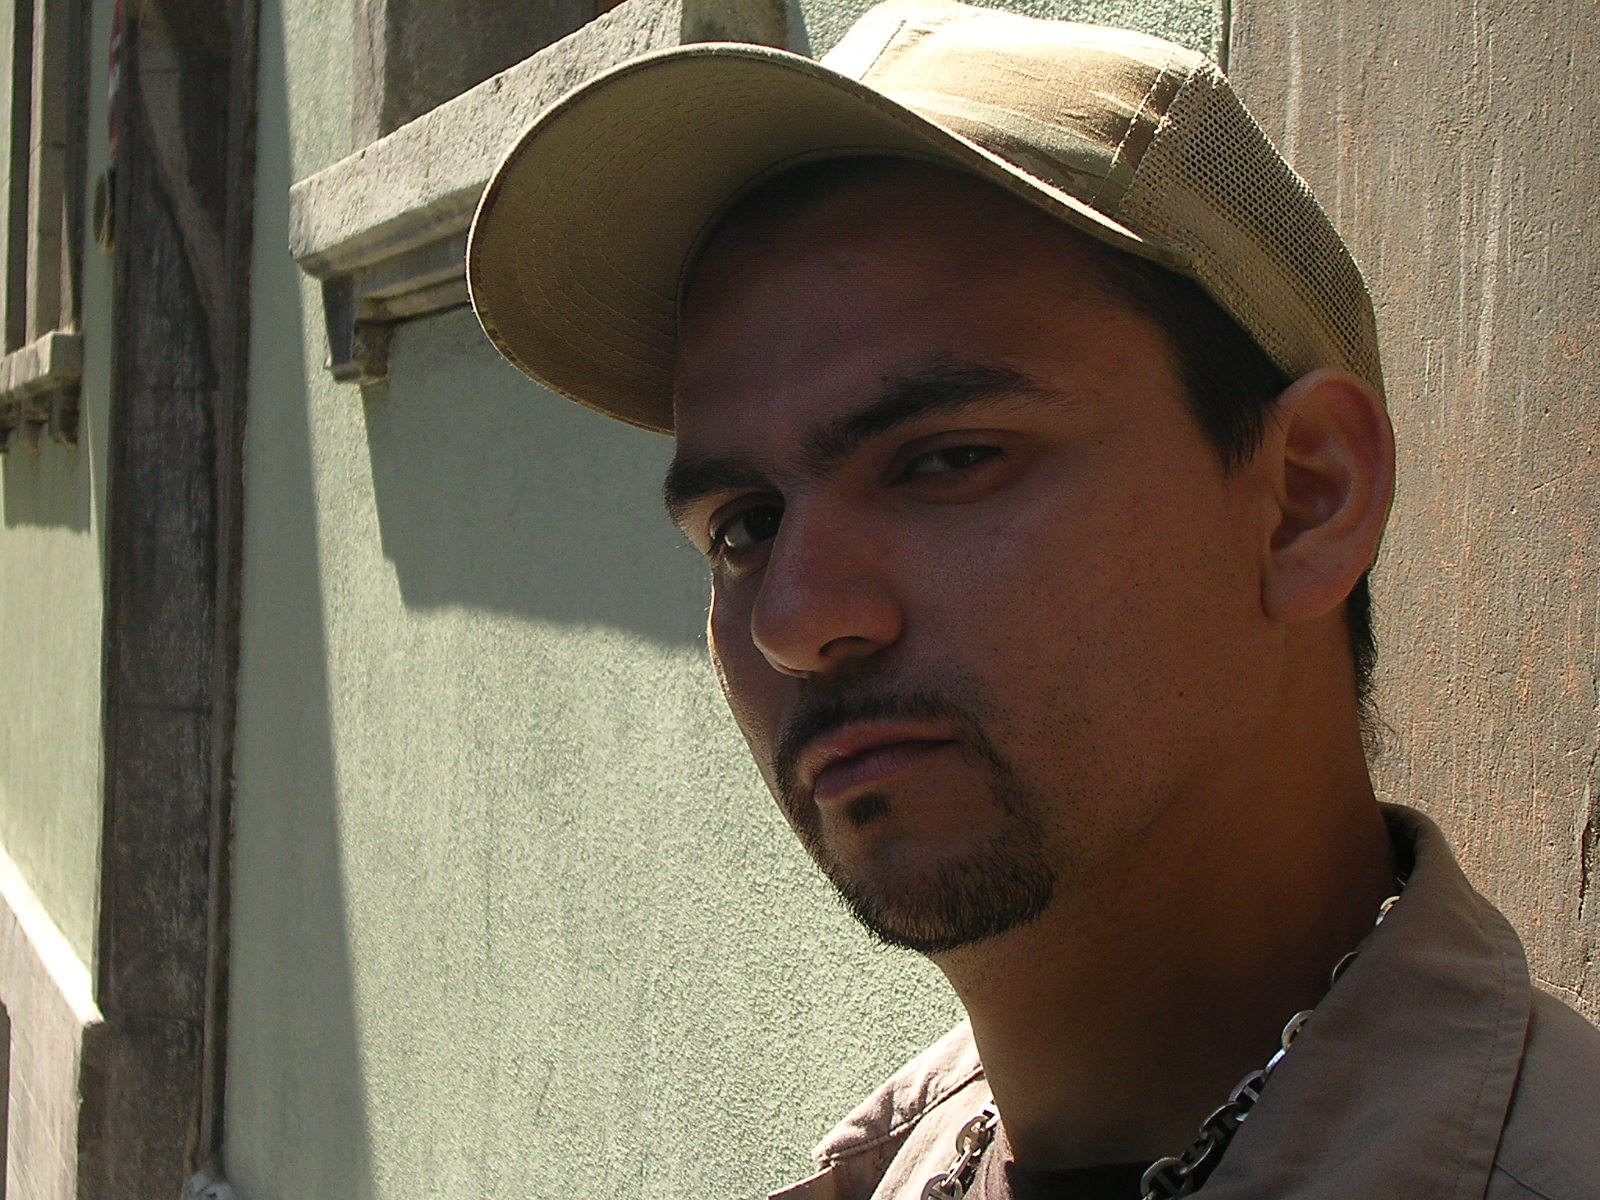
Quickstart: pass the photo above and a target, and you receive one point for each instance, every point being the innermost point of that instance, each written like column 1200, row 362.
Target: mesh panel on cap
column 1212, row 185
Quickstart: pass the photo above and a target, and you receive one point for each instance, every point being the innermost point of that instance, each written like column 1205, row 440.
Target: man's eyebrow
column 944, row 386
column 699, row 475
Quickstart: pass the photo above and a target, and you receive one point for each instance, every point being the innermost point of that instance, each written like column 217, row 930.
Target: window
column 41, row 224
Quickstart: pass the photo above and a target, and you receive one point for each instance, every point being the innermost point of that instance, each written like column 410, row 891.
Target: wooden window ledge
column 39, row 390
column 385, row 230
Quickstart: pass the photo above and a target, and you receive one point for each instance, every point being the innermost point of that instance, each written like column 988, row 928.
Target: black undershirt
column 1119, row 1181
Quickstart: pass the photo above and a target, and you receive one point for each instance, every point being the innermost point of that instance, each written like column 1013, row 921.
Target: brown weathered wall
column 1454, row 147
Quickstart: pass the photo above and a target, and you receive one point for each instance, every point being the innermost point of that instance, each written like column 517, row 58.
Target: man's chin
column 946, row 906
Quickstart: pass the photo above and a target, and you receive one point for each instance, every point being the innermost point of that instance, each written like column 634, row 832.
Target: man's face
column 984, row 602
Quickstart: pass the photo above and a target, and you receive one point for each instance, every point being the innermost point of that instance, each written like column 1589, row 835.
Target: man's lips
column 859, row 757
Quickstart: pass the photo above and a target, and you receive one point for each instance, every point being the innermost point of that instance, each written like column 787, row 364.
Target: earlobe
column 1330, row 457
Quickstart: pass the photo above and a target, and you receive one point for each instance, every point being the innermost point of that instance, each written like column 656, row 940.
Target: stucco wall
column 52, row 522
column 1454, row 146
column 512, row 912
column 51, row 529
column 50, row 600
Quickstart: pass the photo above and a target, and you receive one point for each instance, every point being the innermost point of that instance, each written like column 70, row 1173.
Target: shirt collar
column 1400, row 1082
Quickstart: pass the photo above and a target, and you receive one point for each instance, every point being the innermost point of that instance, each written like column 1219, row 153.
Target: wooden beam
column 153, row 1071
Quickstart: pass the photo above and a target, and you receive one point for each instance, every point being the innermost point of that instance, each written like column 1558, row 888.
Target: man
column 1028, row 412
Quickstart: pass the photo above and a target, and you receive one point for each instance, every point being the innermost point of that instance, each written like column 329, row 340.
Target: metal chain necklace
column 1167, row 1178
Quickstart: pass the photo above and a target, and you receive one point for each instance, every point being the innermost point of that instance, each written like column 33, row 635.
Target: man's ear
column 1330, row 451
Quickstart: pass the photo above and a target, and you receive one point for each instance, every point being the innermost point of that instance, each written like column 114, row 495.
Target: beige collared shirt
column 1433, row 1071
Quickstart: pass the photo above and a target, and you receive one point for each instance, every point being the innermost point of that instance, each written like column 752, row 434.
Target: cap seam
column 1127, row 132
column 1144, row 161
column 900, row 25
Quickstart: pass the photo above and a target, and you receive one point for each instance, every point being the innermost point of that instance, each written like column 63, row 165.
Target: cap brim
column 582, row 236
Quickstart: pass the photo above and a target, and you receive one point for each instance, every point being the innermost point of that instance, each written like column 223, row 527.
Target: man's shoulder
column 1551, row 1144
column 903, row 1125
column 950, row 1065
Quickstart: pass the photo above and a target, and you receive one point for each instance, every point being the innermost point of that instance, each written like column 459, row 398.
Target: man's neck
column 1111, row 1026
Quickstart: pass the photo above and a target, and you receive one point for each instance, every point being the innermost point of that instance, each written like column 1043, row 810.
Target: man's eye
column 746, row 528
column 948, row 460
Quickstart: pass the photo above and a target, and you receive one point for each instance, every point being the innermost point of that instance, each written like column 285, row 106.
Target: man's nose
column 827, row 596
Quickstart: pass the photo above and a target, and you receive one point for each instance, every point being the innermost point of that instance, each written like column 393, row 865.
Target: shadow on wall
column 494, row 494
column 297, row 1120
column 46, row 487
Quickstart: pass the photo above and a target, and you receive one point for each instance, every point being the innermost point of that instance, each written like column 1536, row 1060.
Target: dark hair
column 1231, row 381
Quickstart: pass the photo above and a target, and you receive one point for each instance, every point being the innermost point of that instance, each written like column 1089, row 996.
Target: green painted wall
column 51, row 601
column 513, row 914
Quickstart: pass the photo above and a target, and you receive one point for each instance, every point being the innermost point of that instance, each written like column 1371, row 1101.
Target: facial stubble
column 999, row 880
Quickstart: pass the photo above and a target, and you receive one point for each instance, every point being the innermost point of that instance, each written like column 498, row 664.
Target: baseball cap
column 584, row 234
